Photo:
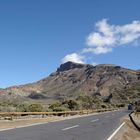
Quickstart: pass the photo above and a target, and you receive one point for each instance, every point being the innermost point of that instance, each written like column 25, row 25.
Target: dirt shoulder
column 131, row 133
column 7, row 124
column 128, row 131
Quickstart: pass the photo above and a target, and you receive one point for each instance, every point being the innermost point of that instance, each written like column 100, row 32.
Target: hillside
column 72, row 80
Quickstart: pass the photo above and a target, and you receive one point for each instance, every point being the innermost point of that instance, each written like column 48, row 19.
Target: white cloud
column 107, row 36
column 96, row 39
column 74, row 57
column 97, row 50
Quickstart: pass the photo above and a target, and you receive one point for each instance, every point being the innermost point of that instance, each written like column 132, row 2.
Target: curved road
column 92, row 127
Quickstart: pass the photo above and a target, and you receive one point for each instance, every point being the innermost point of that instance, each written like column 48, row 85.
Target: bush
column 35, row 108
column 65, row 105
column 29, row 108
column 54, row 106
column 22, row 108
column 73, row 105
column 103, row 106
column 57, row 109
column 120, row 105
column 87, row 102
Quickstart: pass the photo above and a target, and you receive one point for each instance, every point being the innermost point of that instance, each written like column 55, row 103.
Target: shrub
column 87, row 102
column 103, row 106
column 57, row 109
column 73, row 105
column 55, row 105
column 29, row 108
column 120, row 105
column 22, row 108
column 35, row 108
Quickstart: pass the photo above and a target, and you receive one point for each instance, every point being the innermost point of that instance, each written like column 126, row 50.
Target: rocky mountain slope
column 72, row 80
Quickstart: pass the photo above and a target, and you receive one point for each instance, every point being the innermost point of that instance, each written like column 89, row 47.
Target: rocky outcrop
column 69, row 65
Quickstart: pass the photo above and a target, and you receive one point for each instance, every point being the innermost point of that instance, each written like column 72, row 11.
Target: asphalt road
column 93, row 127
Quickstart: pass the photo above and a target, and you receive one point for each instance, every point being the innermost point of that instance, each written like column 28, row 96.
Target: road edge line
column 115, row 132
column 29, row 125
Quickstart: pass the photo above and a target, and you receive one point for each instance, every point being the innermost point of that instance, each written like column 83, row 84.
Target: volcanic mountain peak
column 69, row 65
column 73, row 79
column 72, row 65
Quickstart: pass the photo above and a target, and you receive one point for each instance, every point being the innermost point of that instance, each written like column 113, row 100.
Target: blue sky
column 36, row 36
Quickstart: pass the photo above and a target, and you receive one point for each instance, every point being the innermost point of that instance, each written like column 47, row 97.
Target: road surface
column 93, row 127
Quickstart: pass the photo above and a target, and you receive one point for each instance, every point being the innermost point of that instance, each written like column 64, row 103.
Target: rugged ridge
column 69, row 65
column 72, row 79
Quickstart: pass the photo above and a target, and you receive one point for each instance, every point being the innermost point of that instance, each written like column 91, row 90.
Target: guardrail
column 11, row 115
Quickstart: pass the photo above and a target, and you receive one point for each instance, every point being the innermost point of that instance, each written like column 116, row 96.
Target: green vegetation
column 8, row 106
column 120, row 105
column 29, row 108
column 57, row 106
column 22, row 108
column 12, row 106
column 104, row 106
column 35, row 108
column 86, row 102
column 71, row 104
column 81, row 102
column 64, row 106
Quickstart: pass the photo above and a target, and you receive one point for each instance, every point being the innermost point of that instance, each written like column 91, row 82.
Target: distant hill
column 72, row 80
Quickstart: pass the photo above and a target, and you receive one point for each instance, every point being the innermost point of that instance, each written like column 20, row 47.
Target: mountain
column 72, row 80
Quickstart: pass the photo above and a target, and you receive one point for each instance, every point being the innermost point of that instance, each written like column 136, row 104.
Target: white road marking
column 115, row 132
column 5, row 129
column 70, row 127
column 95, row 120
